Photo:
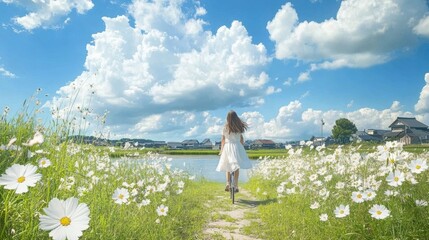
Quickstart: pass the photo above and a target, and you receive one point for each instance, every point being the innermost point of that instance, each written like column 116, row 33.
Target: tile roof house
column 408, row 131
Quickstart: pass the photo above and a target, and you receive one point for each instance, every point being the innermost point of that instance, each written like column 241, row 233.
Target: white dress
column 233, row 155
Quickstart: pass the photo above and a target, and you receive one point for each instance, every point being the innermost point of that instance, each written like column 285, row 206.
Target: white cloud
column 422, row 28
column 350, row 104
column 165, row 65
column 422, row 106
column 364, row 33
column 272, row 90
column 6, row 73
column 47, row 13
column 293, row 122
column 304, row 76
column 288, row 82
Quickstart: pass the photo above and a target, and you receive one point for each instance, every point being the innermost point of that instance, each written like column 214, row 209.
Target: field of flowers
column 344, row 194
column 54, row 189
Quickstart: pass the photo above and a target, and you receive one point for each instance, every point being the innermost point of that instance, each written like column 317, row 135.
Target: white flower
column 418, row 166
column 12, row 141
column 280, row 189
column 44, row 163
column 20, row 177
column 379, row 212
column 121, row 195
column 162, row 210
column 323, row 217
column 395, row 178
column 358, row 197
column 66, row 218
column 37, row 139
column 181, row 184
column 369, row 194
column 342, row 211
column 421, row 203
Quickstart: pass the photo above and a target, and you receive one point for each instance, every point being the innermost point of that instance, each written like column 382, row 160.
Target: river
column 204, row 166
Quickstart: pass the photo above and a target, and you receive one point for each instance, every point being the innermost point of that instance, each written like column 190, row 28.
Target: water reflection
column 204, row 166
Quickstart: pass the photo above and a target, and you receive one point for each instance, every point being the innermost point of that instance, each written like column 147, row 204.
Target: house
column 206, row 144
column 408, row 131
column 370, row 135
column 262, row 143
column 174, row 145
column 155, row 144
column 191, row 143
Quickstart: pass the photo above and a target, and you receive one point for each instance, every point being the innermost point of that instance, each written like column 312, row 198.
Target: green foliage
column 343, row 129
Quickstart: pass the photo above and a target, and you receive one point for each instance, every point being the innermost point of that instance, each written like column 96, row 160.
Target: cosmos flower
column 323, row 217
column 421, row 203
column 342, row 211
column 44, row 163
column 37, row 139
column 418, row 166
column 162, row 210
column 395, row 178
column 65, row 219
column 358, row 197
column 379, row 212
column 121, row 195
column 20, row 177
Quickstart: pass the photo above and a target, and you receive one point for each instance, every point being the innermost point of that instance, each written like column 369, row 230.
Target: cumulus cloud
column 293, row 122
column 6, row 73
column 422, row 105
column 163, row 66
column 423, row 27
column 363, row 33
column 48, row 13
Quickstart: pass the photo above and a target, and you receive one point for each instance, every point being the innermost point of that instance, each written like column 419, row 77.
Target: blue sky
column 172, row 69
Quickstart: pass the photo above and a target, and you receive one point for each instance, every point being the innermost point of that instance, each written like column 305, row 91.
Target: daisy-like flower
column 20, row 177
column 418, row 166
column 323, row 217
column 44, row 163
column 121, row 195
column 162, row 210
column 37, row 139
column 395, row 178
column 421, row 203
column 65, row 219
column 358, row 197
column 369, row 194
column 379, row 212
column 342, row 211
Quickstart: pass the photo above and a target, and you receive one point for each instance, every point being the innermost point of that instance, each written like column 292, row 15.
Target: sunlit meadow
column 54, row 188
column 51, row 187
column 342, row 193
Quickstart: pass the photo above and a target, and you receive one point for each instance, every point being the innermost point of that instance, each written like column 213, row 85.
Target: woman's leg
column 228, row 177
column 236, row 174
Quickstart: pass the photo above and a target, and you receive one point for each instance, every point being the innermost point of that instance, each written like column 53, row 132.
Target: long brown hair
column 234, row 123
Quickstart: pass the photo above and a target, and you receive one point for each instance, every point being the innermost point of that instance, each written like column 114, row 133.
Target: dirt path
column 229, row 221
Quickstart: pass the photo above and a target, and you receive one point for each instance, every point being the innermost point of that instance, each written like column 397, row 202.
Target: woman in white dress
column 232, row 153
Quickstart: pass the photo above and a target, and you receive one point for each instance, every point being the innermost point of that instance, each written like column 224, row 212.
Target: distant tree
column 343, row 130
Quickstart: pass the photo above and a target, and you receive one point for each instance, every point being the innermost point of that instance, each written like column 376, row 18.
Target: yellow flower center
column 121, row 196
column 392, row 161
column 418, row 167
column 396, row 179
column 359, row 196
column 378, row 212
column 65, row 221
column 341, row 211
column 43, row 162
column 369, row 194
column 21, row 179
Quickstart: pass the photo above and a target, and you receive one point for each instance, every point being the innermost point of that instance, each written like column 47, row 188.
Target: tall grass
column 89, row 174
column 305, row 186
